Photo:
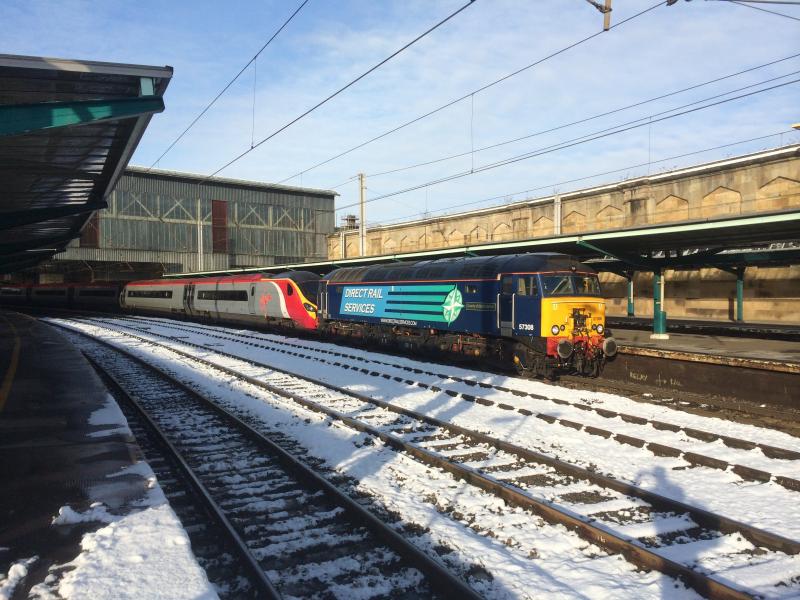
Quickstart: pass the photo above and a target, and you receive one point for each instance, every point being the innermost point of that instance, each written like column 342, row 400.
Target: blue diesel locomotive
column 542, row 312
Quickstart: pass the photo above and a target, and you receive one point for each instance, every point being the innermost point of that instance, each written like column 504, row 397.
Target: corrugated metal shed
column 156, row 217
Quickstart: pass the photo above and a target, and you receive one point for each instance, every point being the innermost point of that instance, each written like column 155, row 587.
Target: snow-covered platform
column 77, row 503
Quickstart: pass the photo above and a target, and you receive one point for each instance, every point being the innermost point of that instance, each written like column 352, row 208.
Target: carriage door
column 323, row 299
column 526, row 305
column 188, row 298
column 251, row 299
column 505, row 305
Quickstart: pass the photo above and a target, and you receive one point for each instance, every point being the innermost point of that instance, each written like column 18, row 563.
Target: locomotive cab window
column 557, row 285
column 526, row 286
column 309, row 288
column 570, row 285
column 587, row 285
column 289, row 289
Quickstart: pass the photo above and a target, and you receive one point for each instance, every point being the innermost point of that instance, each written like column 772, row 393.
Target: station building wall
column 749, row 185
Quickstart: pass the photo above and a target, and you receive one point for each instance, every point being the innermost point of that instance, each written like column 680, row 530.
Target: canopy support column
column 631, row 306
column 659, row 315
column 740, row 294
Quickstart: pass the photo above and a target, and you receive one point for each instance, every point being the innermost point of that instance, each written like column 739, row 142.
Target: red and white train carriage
column 287, row 299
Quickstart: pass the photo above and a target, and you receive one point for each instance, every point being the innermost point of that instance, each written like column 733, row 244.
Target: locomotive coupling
column 610, row 347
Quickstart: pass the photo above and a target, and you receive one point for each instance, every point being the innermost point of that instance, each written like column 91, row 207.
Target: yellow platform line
column 8, row 378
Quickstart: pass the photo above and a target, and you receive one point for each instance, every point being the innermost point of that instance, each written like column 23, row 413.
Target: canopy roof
column 67, row 130
column 725, row 243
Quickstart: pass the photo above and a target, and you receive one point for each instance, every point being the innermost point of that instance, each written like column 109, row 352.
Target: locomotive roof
column 478, row 267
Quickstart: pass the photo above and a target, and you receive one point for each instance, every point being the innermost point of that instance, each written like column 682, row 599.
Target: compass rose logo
column 452, row 305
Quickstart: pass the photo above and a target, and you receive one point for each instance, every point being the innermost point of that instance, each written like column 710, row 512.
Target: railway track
column 215, row 545
column 718, row 557
column 705, row 403
column 295, row 533
column 623, row 428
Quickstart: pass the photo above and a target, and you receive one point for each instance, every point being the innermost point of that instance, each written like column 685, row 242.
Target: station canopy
column 767, row 239
column 67, row 131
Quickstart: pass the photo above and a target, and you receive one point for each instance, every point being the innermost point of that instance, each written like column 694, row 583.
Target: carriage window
column 252, row 291
column 149, row 293
column 223, row 295
column 507, row 284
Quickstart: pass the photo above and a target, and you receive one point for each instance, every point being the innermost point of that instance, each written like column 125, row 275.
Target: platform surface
column 716, row 345
column 752, row 329
column 51, row 455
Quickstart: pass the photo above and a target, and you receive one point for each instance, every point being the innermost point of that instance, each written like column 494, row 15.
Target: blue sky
column 332, row 41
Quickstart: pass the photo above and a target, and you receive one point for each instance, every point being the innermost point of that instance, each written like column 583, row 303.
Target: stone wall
column 771, row 295
column 759, row 183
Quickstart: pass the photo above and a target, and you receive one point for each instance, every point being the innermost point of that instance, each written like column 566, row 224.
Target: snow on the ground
column 109, row 416
column 525, row 556
column 603, row 400
column 769, row 505
column 97, row 512
column 16, row 573
column 144, row 554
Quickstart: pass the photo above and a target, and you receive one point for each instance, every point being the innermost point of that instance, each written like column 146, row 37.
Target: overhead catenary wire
column 229, row 84
column 569, row 144
column 342, row 89
column 579, row 121
column 587, row 177
column 748, row 4
column 470, row 94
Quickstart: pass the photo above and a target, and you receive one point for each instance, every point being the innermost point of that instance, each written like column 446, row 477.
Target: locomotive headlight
column 563, row 327
column 554, row 330
column 594, row 327
column 600, row 329
column 309, row 307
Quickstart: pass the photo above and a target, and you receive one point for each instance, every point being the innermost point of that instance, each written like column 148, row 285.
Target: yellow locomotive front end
column 573, row 321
